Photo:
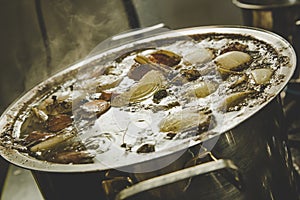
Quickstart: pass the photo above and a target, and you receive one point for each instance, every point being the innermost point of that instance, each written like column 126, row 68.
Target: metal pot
column 251, row 160
column 279, row 16
column 243, row 164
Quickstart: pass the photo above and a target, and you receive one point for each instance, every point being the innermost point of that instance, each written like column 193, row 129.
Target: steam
column 75, row 27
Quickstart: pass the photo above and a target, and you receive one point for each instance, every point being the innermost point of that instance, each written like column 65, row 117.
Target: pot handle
column 139, row 31
column 184, row 174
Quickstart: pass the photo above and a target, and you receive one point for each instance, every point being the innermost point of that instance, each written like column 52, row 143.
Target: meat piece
column 146, row 148
column 36, row 136
column 97, row 107
column 164, row 57
column 81, row 157
column 58, row 122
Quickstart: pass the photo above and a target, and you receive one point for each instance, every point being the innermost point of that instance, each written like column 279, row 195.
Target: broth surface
column 160, row 98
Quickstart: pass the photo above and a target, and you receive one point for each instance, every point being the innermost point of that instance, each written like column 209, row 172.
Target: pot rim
column 9, row 117
column 249, row 6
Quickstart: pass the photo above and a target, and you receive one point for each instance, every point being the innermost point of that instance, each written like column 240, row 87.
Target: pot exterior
column 282, row 19
column 62, row 186
column 257, row 147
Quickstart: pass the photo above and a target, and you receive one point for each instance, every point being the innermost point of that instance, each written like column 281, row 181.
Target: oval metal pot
column 250, row 160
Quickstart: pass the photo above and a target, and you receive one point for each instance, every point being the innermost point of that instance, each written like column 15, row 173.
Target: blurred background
column 39, row 38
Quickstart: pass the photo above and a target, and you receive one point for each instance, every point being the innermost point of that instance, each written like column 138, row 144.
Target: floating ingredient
column 179, row 121
column 142, row 60
column 112, row 70
column 226, row 72
column 232, row 60
column 146, row 65
column 106, row 96
column 58, row 122
column 146, row 148
column 159, row 95
column 145, row 88
column 138, row 71
column 262, row 76
column 190, row 74
column 143, row 91
column 235, row 99
column 56, row 104
column 202, row 89
column 189, row 82
column 97, row 107
column 52, row 142
column 36, row 137
column 106, row 82
column 186, row 120
column 41, row 115
column 129, row 53
column 242, row 79
column 164, row 57
column 199, row 56
column 73, row 157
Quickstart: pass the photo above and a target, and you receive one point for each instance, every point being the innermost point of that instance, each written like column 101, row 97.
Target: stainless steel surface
column 19, row 106
column 177, row 176
column 259, row 153
column 150, row 12
column 265, row 4
column 255, row 142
